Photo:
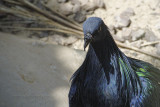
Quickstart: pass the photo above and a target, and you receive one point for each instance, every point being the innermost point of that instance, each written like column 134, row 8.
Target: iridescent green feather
column 124, row 70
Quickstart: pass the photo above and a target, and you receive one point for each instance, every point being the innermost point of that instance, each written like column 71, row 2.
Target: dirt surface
column 35, row 74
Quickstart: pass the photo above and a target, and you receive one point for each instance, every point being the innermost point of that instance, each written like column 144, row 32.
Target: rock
column 122, row 21
column 158, row 48
column 112, row 29
column 34, row 76
column 128, row 12
column 76, row 8
column 78, row 45
column 38, row 43
column 118, row 36
column 84, row 2
column 126, row 34
column 39, row 34
column 70, row 40
column 43, row 34
column 150, row 36
column 90, row 12
column 76, row 2
column 80, row 16
column 157, row 26
column 137, row 34
column 90, row 5
column 66, row 8
column 62, row 1
column 62, row 40
column 99, row 3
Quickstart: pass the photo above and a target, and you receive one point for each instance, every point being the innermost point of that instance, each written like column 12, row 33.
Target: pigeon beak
column 87, row 39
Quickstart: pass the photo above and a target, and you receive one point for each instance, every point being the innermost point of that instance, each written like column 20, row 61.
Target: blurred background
column 41, row 44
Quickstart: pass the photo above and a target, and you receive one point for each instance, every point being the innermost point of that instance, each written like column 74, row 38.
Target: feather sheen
column 108, row 78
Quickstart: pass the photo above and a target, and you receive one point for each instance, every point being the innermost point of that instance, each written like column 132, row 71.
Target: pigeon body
column 108, row 78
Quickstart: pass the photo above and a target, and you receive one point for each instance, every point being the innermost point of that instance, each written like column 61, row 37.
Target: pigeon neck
column 105, row 48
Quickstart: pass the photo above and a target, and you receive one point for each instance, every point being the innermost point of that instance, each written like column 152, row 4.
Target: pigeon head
column 93, row 29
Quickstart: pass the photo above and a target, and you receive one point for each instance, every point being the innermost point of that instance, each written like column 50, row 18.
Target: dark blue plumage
column 108, row 78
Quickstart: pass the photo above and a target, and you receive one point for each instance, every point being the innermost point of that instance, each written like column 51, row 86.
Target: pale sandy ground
column 35, row 74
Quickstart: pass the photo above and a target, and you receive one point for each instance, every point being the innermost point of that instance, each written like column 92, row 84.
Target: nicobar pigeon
column 108, row 78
